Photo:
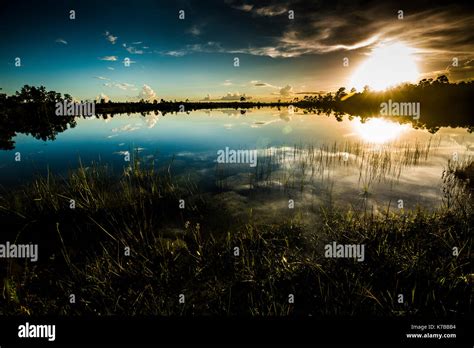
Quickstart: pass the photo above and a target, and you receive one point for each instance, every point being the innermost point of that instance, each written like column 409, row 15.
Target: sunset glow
column 387, row 66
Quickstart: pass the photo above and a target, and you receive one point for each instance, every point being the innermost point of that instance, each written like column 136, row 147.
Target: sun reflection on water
column 377, row 130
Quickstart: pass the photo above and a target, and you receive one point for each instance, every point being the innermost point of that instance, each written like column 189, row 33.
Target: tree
column 341, row 93
column 242, row 98
column 442, row 79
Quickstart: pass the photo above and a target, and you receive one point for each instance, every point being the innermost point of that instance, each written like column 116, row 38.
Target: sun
column 388, row 65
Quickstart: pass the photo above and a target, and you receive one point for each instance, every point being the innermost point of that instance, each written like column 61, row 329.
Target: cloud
column 256, row 10
column 127, row 128
column 194, row 30
column 270, row 11
column 324, row 27
column 121, row 85
column 102, row 96
column 133, row 50
column 286, row 91
column 243, row 7
column 109, row 58
column 147, row 93
column 175, row 53
column 151, row 120
column 112, row 39
column 64, row 42
column 208, row 47
column 234, row 96
column 312, row 92
column 464, row 71
column 227, row 83
column 263, row 84
column 110, row 68
column 101, row 78
column 259, row 124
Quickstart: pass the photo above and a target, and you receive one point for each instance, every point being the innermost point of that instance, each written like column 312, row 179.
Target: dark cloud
column 320, row 27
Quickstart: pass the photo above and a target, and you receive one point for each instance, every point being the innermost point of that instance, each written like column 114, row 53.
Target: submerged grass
column 225, row 266
column 295, row 167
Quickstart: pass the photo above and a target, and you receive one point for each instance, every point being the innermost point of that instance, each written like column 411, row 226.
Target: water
column 191, row 141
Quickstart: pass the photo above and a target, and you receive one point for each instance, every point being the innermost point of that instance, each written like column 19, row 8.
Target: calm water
column 194, row 139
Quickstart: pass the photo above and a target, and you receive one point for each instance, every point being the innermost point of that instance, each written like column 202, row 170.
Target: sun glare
column 387, row 66
column 376, row 130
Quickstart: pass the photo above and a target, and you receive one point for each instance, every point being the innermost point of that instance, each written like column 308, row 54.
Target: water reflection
column 314, row 157
column 378, row 130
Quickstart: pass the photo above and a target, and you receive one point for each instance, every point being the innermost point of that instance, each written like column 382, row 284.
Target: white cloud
column 133, row 50
column 208, row 47
column 110, row 68
column 234, row 96
column 101, row 78
column 147, row 93
column 112, row 39
column 175, row 53
column 151, row 120
column 122, row 85
column 61, row 41
column 127, row 128
column 109, row 58
column 102, row 96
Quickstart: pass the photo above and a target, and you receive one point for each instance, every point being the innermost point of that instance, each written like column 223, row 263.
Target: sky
column 285, row 49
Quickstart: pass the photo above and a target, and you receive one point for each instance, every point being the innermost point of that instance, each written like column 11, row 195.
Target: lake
column 306, row 158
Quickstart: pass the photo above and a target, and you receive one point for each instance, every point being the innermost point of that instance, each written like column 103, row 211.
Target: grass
column 191, row 251
column 298, row 167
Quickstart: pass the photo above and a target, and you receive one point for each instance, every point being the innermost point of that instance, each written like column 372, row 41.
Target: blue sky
column 194, row 58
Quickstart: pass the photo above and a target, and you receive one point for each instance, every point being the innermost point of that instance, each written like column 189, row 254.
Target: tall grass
column 299, row 166
column 191, row 251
